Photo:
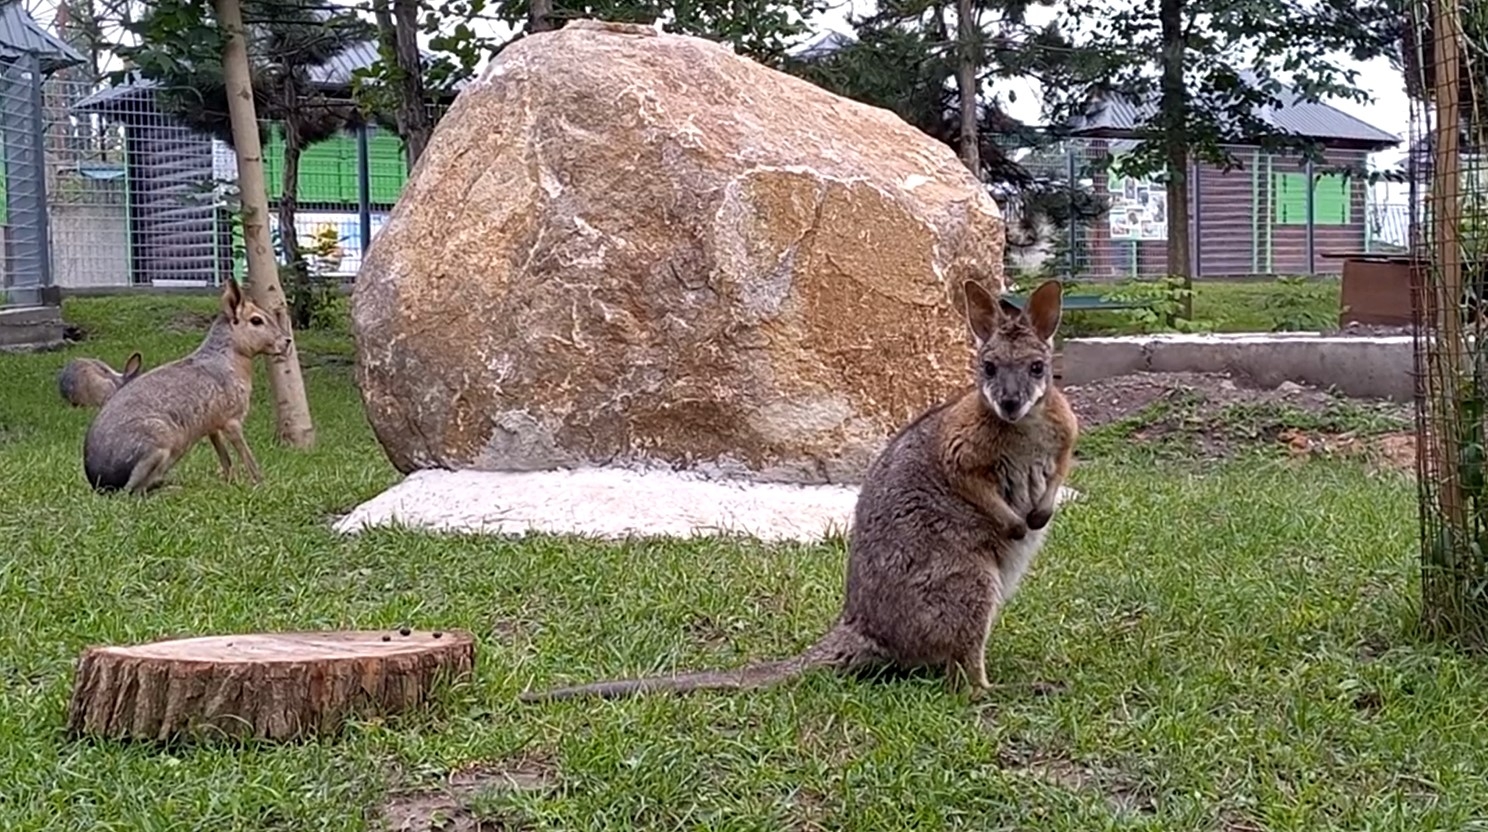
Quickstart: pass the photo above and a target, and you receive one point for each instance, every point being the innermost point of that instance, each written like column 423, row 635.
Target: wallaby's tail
column 841, row 649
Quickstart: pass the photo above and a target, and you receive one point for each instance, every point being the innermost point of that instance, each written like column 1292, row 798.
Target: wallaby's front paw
column 1039, row 518
column 1017, row 531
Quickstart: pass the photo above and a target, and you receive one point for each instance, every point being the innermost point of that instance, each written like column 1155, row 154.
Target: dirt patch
column 1217, row 414
column 466, row 801
column 189, row 322
column 1123, row 793
column 1394, row 451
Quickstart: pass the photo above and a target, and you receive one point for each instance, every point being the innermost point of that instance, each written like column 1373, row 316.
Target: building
column 176, row 229
column 1250, row 220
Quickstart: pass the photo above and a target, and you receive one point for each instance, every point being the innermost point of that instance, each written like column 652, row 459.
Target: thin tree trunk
column 1175, row 139
column 398, row 32
column 967, row 65
column 289, row 237
column 540, row 16
column 291, row 408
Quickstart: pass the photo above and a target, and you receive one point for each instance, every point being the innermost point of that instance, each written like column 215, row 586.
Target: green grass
column 1229, row 306
column 1217, row 647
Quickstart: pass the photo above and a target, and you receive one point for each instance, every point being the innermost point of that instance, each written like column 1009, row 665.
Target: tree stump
column 270, row 686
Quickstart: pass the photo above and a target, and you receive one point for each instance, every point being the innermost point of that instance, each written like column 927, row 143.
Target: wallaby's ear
column 133, row 365
column 981, row 311
column 1045, row 307
column 232, row 298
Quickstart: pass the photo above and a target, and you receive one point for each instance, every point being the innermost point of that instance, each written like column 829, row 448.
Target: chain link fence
column 1273, row 215
column 132, row 198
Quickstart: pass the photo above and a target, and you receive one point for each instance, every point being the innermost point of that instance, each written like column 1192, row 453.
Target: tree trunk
column 967, row 64
column 301, row 300
column 1175, row 145
column 291, row 408
column 540, row 16
column 398, row 33
column 273, row 686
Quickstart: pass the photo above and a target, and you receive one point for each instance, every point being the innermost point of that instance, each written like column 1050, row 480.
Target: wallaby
column 88, row 382
column 949, row 517
column 146, row 427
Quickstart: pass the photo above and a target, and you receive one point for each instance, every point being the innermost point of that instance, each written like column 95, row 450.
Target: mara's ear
column 1045, row 307
column 981, row 311
column 232, row 298
column 133, row 366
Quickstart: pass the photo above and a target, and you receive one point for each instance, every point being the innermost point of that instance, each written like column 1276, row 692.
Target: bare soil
column 455, row 805
column 1220, row 414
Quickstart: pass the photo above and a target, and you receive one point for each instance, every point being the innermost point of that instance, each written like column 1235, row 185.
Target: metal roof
column 823, row 44
column 20, row 35
column 1119, row 116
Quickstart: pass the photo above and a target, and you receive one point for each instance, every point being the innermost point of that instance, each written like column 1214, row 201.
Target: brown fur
column 144, row 429
column 88, row 382
column 949, row 517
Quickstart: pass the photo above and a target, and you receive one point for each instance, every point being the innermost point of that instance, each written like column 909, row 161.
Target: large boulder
column 628, row 247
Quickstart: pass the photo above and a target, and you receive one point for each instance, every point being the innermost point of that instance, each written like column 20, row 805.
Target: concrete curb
column 1376, row 366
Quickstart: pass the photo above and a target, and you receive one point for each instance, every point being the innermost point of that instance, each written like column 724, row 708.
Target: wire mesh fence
column 140, row 198
column 1272, row 215
column 24, row 239
column 133, row 197
column 1446, row 58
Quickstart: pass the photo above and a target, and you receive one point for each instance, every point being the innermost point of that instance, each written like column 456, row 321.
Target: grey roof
column 20, row 35
column 824, row 44
column 1118, row 115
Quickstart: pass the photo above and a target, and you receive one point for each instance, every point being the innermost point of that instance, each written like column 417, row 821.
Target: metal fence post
column 1311, row 221
column 38, row 158
column 1196, row 227
column 1071, row 188
column 364, row 190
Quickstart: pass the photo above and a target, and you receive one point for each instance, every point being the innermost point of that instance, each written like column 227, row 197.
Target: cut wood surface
column 273, row 686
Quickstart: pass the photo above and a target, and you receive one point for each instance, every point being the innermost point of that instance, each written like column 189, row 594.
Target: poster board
column 1139, row 208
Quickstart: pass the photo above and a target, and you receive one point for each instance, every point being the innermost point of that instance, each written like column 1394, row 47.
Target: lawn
column 1229, row 306
column 1216, row 646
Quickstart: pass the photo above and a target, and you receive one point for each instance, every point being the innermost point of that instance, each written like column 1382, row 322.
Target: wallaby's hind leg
column 969, row 673
column 223, row 459
column 234, row 433
column 149, row 471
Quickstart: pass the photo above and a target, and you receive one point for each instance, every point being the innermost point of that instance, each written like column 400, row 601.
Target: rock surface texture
column 624, row 247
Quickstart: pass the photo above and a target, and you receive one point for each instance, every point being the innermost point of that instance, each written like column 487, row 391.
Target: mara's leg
column 223, row 459
column 148, row 471
column 234, row 431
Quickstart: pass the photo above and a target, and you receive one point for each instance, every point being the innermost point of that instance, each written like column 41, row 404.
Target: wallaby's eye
column 989, row 369
column 256, row 320
column 1036, row 369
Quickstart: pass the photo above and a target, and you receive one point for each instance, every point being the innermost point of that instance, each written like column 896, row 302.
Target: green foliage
column 901, row 61
column 1163, row 303
column 1300, row 304
column 311, row 290
column 760, row 29
column 180, row 49
column 1233, row 57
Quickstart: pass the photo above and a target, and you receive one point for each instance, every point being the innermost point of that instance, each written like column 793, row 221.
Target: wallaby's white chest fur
column 1019, row 555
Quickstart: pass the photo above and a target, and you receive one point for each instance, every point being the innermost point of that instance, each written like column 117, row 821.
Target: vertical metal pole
column 38, row 136
column 1074, row 226
column 364, row 189
column 1196, row 235
column 1311, row 220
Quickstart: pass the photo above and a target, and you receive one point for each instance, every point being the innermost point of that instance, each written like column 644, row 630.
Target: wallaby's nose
column 1009, row 406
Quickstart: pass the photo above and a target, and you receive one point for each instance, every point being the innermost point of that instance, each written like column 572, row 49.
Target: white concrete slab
column 609, row 503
